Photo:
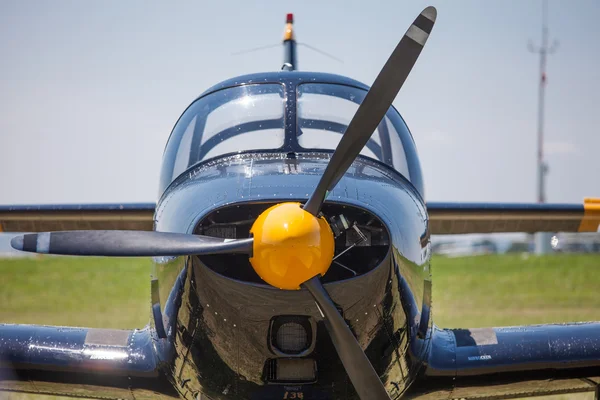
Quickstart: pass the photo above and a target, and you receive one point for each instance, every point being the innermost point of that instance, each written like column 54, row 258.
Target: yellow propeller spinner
column 290, row 246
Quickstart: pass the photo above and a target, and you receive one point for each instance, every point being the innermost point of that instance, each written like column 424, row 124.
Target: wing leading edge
column 67, row 217
column 457, row 218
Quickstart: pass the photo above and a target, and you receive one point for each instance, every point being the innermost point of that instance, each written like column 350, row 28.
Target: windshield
column 231, row 120
column 254, row 117
column 324, row 112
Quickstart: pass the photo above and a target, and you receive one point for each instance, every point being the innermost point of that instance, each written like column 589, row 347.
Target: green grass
column 72, row 291
column 467, row 292
column 515, row 290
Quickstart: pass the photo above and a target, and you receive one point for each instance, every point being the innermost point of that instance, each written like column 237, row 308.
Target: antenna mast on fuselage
column 290, row 60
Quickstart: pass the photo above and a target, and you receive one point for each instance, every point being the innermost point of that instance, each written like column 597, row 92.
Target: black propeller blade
column 357, row 365
column 369, row 114
column 373, row 108
column 127, row 244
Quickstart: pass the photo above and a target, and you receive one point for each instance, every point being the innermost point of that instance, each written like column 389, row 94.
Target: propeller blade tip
column 32, row 242
column 430, row 13
column 17, row 243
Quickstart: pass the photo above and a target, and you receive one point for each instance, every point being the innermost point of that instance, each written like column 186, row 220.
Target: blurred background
column 89, row 92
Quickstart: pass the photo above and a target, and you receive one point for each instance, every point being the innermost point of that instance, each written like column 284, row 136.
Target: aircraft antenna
column 316, row 50
column 542, row 239
column 269, row 46
column 290, row 60
column 290, row 56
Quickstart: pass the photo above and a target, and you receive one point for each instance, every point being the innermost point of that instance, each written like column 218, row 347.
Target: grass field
column 467, row 292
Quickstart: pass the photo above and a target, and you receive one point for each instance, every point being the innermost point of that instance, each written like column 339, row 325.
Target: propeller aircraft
column 291, row 243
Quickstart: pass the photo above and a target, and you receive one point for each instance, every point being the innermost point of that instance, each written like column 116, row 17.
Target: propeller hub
column 290, row 246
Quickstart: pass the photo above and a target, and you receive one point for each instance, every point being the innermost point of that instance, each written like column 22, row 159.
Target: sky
column 90, row 90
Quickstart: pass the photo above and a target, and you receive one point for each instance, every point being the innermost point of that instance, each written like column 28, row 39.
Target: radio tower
column 542, row 239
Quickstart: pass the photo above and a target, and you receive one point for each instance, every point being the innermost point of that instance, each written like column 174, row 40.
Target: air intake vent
column 291, row 338
column 291, row 335
column 290, row 370
column 271, row 370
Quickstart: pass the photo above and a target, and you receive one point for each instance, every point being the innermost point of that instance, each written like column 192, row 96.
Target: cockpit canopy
column 287, row 113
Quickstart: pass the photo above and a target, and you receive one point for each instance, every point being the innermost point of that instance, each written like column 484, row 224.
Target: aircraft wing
column 444, row 218
column 511, row 362
column 456, row 218
column 81, row 362
column 63, row 217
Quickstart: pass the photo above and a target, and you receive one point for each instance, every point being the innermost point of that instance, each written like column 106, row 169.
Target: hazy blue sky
column 89, row 91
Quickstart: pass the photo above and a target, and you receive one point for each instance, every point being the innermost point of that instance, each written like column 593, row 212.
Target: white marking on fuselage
column 480, row 358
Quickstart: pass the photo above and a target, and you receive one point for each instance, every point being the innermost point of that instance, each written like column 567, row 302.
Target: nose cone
column 290, row 246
